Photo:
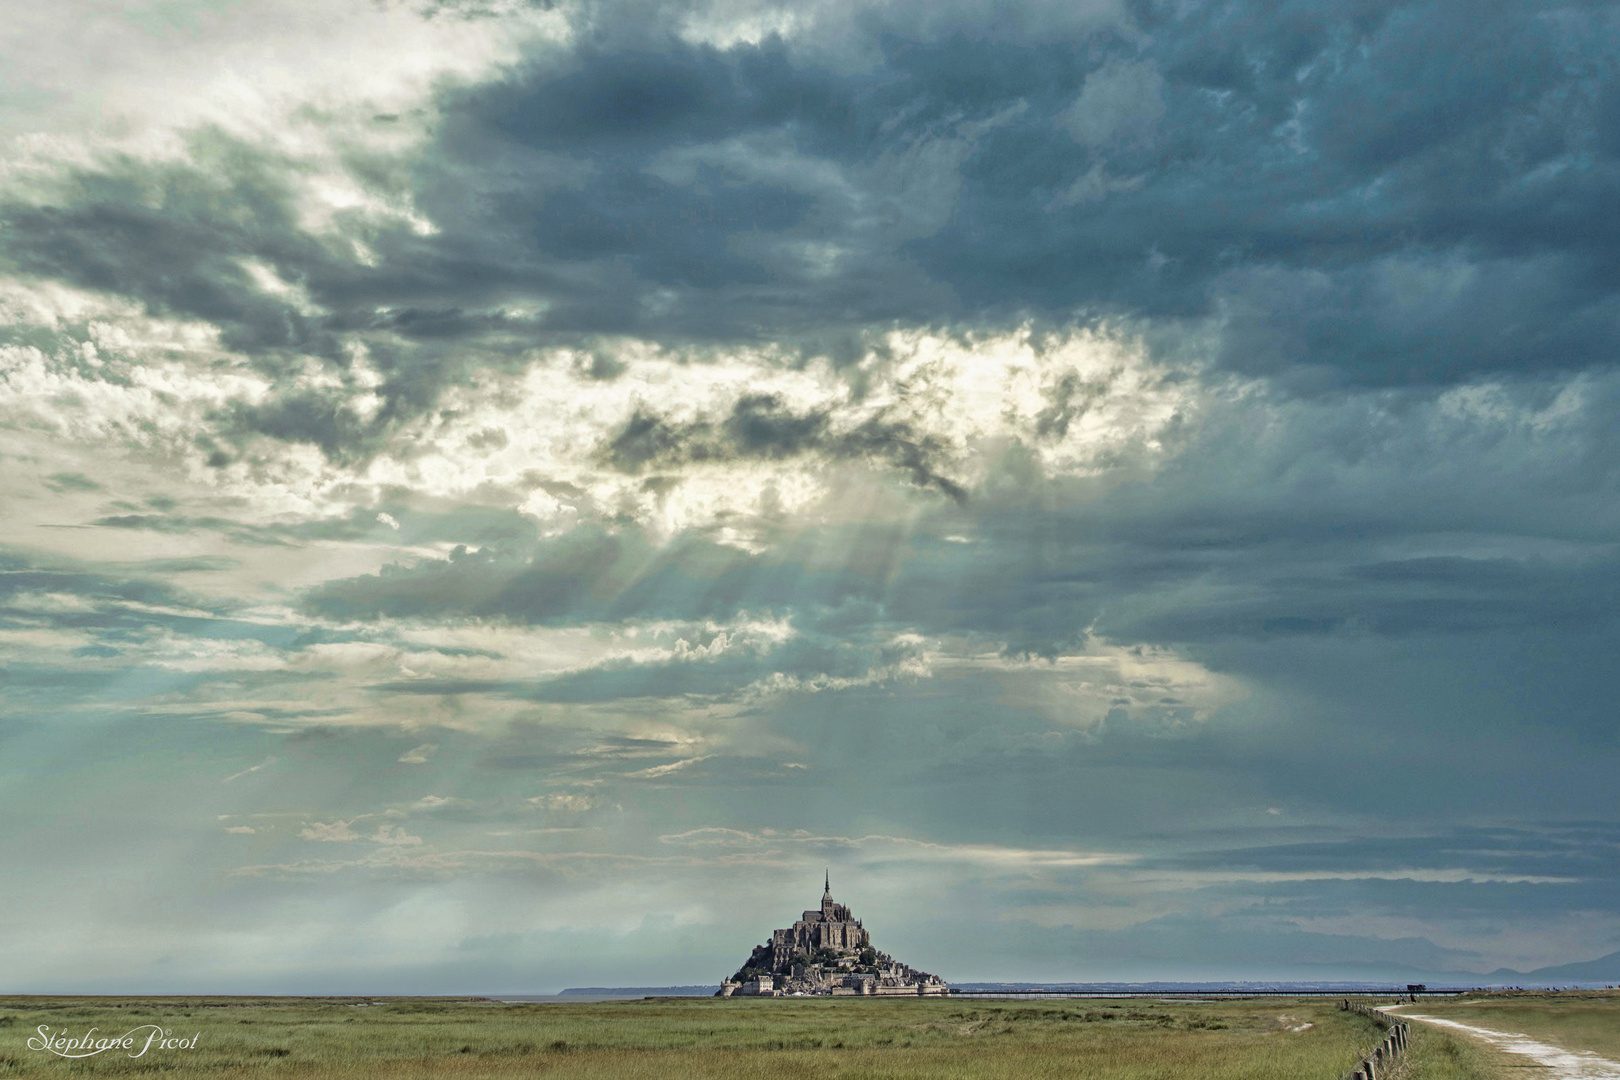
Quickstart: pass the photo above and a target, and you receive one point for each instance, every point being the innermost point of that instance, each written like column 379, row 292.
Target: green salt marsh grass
column 723, row 1039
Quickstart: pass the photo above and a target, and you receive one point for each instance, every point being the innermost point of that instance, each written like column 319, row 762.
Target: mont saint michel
column 827, row 951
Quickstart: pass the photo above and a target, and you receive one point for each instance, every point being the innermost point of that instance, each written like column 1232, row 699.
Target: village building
column 827, row 951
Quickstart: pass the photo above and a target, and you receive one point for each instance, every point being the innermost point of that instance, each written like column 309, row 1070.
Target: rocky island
column 827, row 951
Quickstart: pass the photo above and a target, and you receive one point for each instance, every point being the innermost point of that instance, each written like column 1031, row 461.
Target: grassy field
column 1573, row 1019
column 848, row 1039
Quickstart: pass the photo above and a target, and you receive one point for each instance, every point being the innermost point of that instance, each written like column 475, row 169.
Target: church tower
column 826, row 899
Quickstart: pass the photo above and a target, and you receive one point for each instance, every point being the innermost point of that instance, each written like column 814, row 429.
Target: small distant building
column 826, row 951
column 761, row 984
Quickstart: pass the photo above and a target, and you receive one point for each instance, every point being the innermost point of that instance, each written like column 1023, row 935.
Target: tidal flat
column 724, row 1039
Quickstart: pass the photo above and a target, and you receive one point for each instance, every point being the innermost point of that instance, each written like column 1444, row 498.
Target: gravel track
column 1560, row 1064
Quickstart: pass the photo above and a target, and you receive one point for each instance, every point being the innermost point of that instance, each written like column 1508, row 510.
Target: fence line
column 1380, row 1061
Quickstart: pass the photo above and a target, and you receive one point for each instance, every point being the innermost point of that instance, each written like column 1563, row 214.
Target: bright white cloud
column 883, row 850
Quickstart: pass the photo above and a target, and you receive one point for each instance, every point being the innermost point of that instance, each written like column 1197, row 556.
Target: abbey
column 827, row 951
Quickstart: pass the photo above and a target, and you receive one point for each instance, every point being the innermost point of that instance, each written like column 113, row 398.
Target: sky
column 499, row 496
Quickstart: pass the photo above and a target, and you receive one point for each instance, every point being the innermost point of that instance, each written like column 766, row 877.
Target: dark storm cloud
column 760, row 426
column 763, row 427
column 681, row 95
column 1345, row 187
column 671, row 191
column 1338, row 187
column 1381, row 193
column 169, row 236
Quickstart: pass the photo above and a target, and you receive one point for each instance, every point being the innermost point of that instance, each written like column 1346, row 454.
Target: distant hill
column 1603, row 969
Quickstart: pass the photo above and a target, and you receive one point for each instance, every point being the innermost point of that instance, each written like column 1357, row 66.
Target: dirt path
column 1560, row 1064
